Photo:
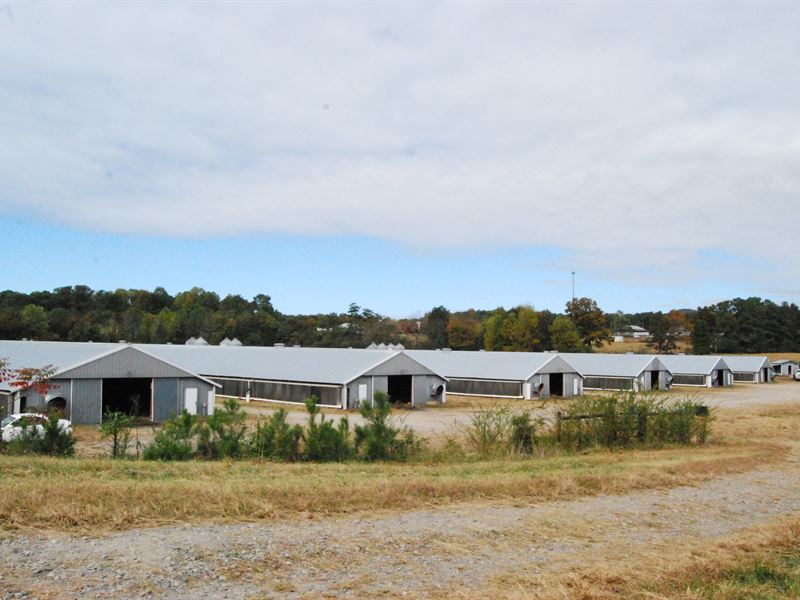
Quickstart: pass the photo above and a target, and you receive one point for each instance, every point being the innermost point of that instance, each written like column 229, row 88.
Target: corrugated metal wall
column 423, row 385
column 87, row 401
column 203, row 389
column 127, row 363
column 165, row 398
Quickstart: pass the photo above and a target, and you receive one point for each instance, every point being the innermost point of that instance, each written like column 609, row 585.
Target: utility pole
column 573, row 285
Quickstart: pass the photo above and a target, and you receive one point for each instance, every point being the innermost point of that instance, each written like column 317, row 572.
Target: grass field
column 100, row 494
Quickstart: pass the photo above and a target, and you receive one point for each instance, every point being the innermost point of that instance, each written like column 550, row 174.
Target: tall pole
column 573, row 285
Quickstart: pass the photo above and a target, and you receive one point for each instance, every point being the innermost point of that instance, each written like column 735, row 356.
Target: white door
column 211, row 402
column 575, row 386
column 190, row 400
column 16, row 406
column 362, row 392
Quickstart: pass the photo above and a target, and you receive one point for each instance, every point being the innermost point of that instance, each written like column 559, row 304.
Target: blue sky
column 402, row 156
column 309, row 274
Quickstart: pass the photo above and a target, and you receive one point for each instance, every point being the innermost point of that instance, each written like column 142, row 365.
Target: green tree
column 590, row 321
column 663, row 334
column 564, row 336
column 435, row 327
column 34, row 321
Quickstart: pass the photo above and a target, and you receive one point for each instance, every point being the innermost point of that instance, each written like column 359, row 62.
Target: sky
column 404, row 155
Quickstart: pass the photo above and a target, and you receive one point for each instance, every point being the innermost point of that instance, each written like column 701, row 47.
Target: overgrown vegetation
column 621, row 420
column 48, row 438
column 380, row 438
column 116, row 426
column 225, row 435
column 627, row 419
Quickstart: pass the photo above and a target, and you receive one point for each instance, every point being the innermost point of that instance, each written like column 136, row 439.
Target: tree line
column 78, row 313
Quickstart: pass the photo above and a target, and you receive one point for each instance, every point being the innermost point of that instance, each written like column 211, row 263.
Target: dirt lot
column 503, row 548
column 443, row 419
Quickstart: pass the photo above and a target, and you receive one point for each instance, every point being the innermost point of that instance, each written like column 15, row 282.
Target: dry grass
column 758, row 564
column 640, row 347
column 100, row 494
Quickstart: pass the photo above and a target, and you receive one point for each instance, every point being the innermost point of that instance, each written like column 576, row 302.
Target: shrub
column 322, row 441
column 174, row 440
column 626, row 419
column 52, row 440
column 274, row 438
column 222, row 435
column 523, row 433
column 489, row 430
column 117, row 427
column 379, row 438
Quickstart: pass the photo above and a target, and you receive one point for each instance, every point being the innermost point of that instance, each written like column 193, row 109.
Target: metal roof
column 513, row 366
column 309, row 365
column 65, row 356
column 613, row 365
column 692, row 364
column 747, row 364
column 783, row 361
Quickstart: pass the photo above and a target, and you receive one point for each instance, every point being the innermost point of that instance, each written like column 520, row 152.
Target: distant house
column 634, row 331
column 786, row 366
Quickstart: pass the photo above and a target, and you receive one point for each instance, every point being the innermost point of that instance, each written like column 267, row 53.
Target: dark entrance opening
column 129, row 396
column 720, row 378
column 400, row 389
column 58, row 404
column 654, row 380
column 556, row 384
column 766, row 375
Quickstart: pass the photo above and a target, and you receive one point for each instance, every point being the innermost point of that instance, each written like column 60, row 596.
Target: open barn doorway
column 720, row 378
column 654, row 380
column 400, row 389
column 556, row 384
column 129, row 396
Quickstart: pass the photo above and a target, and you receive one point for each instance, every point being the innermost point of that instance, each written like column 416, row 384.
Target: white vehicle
column 797, row 375
column 11, row 426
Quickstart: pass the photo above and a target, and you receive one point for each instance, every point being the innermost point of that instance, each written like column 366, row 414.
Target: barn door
column 190, row 400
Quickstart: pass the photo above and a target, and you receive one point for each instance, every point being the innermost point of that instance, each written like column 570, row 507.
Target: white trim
column 484, row 395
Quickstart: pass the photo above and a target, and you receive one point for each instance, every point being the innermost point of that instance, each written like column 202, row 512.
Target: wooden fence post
column 641, row 434
column 558, row 427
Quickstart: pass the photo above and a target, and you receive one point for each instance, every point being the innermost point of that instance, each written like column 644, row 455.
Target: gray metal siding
column 127, row 363
column 352, row 390
column 165, row 398
column 569, row 384
column 400, row 365
column 87, row 401
column 202, row 393
column 422, row 386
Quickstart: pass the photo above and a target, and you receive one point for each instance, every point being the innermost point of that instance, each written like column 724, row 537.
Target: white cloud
column 633, row 137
